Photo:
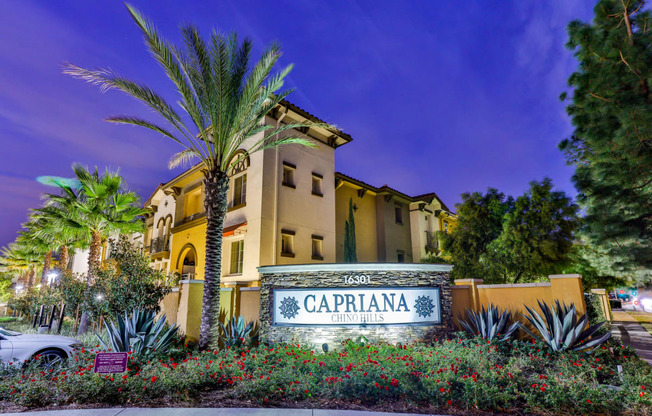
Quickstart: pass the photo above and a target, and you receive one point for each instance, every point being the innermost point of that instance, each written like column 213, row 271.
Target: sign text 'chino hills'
column 359, row 306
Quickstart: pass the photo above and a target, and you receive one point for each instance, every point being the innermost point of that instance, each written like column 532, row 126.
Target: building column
column 567, row 288
column 473, row 288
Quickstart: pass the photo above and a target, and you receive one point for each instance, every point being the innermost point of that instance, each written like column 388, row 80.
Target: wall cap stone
column 191, row 281
column 479, row 281
column 514, row 285
column 565, row 276
column 355, row 267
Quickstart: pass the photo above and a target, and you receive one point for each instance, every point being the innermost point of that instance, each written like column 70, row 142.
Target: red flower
column 154, row 379
column 588, row 401
column 450, row 402
column 441, row 389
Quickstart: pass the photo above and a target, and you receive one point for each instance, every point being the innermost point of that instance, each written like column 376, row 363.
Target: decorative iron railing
column 159, row 245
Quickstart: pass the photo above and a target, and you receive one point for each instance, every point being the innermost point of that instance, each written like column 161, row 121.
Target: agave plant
column 490, row 324
column 139, row 333
column 561, row 330
column 237, row 333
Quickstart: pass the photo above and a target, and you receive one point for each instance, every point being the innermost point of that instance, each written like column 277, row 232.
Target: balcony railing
column 192, row 217
column 159, row 245
column 432, row 242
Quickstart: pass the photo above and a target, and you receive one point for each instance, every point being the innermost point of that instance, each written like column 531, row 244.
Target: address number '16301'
column 358, row 279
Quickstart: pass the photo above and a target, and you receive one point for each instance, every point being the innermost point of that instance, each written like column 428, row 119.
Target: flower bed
column 452, row 375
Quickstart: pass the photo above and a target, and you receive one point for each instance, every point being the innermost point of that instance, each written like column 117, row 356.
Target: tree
column 480, row 221
column 350, row 251
column 611, row 146
column 536, row 237
column 226, row 103
column 60, row 237
column 99, row 207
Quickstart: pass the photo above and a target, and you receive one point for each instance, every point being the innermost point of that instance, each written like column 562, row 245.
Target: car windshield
column 8, row 333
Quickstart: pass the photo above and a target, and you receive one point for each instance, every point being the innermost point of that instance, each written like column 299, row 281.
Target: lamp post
column 52, row 276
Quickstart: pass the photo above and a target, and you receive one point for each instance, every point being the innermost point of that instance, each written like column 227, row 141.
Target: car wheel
column 50, row 358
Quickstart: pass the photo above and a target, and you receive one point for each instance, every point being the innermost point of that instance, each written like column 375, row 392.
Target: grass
column 644, row 318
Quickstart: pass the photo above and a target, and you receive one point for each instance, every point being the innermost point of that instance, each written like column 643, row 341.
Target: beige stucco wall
column 365, row 223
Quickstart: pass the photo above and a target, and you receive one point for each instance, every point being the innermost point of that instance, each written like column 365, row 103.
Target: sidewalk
column 631, row 333
column 180, row 411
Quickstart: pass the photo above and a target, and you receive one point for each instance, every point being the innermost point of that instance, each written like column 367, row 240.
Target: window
column 237, row 256
column 288, row 174
column 316, row 184
column 193, row 202
column 239, row 191
column 445, row 227
column 400, row 254
column 398, row 213
column 317, row 246
column 287, row 243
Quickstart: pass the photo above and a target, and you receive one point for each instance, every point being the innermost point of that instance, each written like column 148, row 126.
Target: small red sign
column 110, row 362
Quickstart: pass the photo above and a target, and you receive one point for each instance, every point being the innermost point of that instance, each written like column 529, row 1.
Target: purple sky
column 438, row 96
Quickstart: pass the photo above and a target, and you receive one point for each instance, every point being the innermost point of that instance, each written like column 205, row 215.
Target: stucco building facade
column 286, row 205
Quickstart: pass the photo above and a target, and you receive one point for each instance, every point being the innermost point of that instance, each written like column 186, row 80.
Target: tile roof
column 386, row 188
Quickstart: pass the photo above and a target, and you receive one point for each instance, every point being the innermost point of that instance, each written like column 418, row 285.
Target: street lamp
column 52, row 276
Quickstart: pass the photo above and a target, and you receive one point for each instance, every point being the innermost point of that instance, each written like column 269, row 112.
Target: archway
column 187, row 262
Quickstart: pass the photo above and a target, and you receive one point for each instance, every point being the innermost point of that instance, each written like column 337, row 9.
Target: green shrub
column 455, row 376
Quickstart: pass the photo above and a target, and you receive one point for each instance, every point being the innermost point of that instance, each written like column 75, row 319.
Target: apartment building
column 285, row 206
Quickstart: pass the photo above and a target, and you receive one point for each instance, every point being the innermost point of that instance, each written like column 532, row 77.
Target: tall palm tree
column 226, row 103
column 98, row 207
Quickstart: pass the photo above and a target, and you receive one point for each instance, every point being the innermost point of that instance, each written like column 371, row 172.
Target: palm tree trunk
column 216, row 186
column 46, row 269
column 94, row 256
column 63, row 259
column 30, row 278
column 94, row 264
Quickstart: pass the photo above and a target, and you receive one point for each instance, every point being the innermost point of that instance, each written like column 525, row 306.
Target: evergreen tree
column 480, row 221
column 536, row 238
column 350, row 251
column 611, row 147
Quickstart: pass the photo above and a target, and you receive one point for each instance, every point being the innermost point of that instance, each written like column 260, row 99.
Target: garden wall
column 334, row 276
column 472, row 294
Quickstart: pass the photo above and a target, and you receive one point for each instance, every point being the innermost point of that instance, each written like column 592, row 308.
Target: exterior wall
column 365, row 223
column 332, row 276
column 298, row 209
column 604, row 302
column 472, row 294
column 396, row 236
column 189, row 310
column 170, row 306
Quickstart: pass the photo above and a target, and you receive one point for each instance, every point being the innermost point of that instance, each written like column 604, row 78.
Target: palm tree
column 61, row 237
column 99, row 207
column 226, row 103
column 22, row 258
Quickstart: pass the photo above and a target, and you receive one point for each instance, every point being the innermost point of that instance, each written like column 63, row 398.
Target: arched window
column 238, row 174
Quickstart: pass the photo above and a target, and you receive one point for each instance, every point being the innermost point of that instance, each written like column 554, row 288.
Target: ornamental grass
column 450, row 375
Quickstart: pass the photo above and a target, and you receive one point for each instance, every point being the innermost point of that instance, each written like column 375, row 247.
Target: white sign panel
column 357, row 306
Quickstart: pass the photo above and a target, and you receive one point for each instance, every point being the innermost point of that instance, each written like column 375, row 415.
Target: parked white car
column 17, row 348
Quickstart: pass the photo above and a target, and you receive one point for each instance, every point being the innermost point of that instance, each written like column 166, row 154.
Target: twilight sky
column 438, row 96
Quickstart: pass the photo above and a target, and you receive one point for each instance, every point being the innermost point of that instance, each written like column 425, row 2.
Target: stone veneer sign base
column 330, row 303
